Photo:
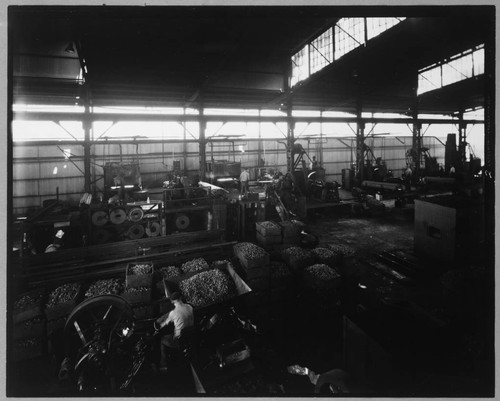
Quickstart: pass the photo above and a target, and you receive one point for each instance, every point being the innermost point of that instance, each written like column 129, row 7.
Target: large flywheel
column 91, row 335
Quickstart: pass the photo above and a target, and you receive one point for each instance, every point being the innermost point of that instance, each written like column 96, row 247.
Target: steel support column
column 259, row 145
column 290, row 138
column 489, row 150
column 417, row 146
column 416, row 151
column 489, row 199
column 184, row 146
column 360, row 144
column 462, row 141
column 202, row 143
column 87, row 125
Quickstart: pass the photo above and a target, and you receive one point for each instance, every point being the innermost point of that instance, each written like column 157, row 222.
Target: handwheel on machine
column 91, row 332
column 135, row 232
column 135, row 214
column 99, row 218
column 117, row 215
column 153, row 229
column 182, row 221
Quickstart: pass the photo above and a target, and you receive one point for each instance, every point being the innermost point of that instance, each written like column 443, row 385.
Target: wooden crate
column 143, row 312
column 58, row 311
column 138, row 297
column 55, row 325
column 35, row 349
column 256, row 298
column 172, row 285
column 298, row 263
column 268, row 240
column 253, row 263
column 268, row 229
column 279, row 294
column 29, row 328
column 250, row 263
column 29, row 311
column 64, row 308
column 255, row 273
column 316, row 283
column 138, row 280
column 289, row 229
column 333, row 260
column 259, row 284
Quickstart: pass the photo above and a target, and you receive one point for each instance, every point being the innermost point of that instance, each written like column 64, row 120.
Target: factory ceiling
column 237, row 57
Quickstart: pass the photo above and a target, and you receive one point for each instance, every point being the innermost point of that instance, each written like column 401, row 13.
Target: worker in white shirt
column 314, row 164
column 182, row 318
column 244, row 178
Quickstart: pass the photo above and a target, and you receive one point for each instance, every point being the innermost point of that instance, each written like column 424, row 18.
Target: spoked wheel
column 94, row 335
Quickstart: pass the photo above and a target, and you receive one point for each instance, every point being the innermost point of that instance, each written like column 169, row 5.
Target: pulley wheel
column 153, row 229
column 182, row 221
column 99, row 218
column 135, row 214
column 135, row 232
column 103, row 314
column 117, row 215
column 101, row 236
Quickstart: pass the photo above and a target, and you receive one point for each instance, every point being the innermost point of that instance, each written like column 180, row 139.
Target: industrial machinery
column 322, row 190
column 431, row 166
column 374, row 167
column 132, row 220
column 122, row 181
column 190, row 207
column 224, row 174
column 106, row 347
column 313, row 183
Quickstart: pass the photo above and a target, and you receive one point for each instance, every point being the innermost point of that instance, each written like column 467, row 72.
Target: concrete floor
column 300, row 331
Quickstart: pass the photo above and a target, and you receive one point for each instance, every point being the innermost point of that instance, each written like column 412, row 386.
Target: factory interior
column 251, row 201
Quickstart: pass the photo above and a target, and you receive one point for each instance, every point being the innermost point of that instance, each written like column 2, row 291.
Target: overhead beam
column 43, row 116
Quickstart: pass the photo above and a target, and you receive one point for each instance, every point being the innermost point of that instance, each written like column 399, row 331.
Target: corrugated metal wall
column 36, row 178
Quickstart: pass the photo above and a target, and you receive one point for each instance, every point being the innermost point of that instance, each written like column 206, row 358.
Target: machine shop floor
column 301, row 331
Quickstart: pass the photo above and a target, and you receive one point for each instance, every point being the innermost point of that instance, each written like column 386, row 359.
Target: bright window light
column 349, row 34
column 139, row 130
column 462, row 66
column 232, row 112
column 375, row 26
column 20, row 107
column 137, row 110
column 457, row 70
column 321, row 51
column 300, row 65
column 478, row 60
column 429, row 80
column 46, row 131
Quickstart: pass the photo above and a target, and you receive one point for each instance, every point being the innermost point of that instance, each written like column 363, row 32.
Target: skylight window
column 349, row 34
column 345, row 36
column 478, row 60
column 457, row 70
column 462, row 66
column 321, row 51
column 375, row 26
column 300, row 65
